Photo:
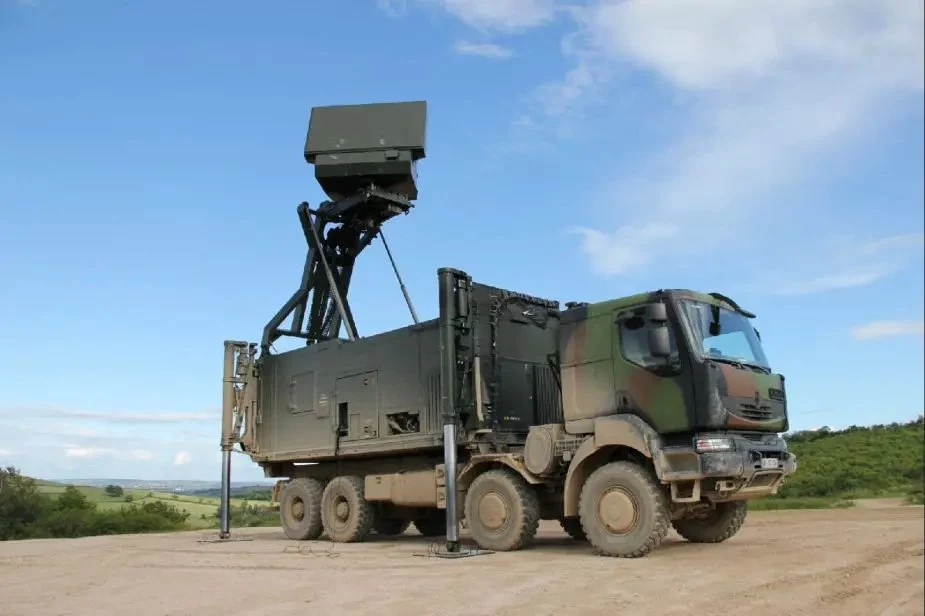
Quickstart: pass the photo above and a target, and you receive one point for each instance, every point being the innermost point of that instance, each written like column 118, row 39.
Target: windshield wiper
column 738, row 363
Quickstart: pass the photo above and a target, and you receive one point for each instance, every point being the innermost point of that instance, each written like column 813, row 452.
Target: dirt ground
column 866, row 561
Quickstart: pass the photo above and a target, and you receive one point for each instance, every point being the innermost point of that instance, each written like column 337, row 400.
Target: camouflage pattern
column 700, row 394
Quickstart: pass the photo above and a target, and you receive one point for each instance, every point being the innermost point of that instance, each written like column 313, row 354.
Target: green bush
column 916, row 495
column 26, row 513
column 858, row 462
column 22, row 506
column 250, row 515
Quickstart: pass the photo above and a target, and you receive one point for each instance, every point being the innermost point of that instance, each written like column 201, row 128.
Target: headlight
column 706, row 444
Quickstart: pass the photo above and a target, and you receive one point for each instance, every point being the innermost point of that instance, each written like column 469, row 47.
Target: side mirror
column 659, row 342
column 656, row 313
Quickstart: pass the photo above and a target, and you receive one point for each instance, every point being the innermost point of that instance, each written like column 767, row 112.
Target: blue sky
column 151, row 163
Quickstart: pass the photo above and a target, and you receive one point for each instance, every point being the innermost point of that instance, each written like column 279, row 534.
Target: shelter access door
column 356, row 399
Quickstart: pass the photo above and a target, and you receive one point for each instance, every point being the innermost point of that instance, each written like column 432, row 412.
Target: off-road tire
column 300, row 509
column 432, row 524
column 345, row 513
column 572, row 526
column 511, row 502
column 635, row 488
column 721, row 524
column 390, row 526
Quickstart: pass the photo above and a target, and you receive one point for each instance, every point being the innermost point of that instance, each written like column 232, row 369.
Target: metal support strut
column 329, row 262
column 448, row 316
column 238, row 399
column 401, row 283
column 225, row 525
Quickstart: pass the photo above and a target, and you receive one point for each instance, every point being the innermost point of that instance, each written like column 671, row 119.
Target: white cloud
column 507, row 16
column 771, row 87
column 5, row 453
column 850, row 263
column 888, row 329
column 127, row 417
column 182, row 457
column 484, row 50
column 395, row 8
column 77, row 451
column 728, row 44
column 84, row 452
column 626, row 249
column 763, row 91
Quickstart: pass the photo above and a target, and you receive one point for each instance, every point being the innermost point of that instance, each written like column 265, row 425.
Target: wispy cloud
column 850, row 263
column 484, row 50
column 624, row 250
column 76, row 451
column 772, row 87
column 181, row 458
column 5, row 453
column 509, row 16
column 111, row 417
column 394, row 8
column 762, row 92
column 888, row 329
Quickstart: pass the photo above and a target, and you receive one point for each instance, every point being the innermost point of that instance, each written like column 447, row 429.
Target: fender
column 478, row 463
column 613, row 431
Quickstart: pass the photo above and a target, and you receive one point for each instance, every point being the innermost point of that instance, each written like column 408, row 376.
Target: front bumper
column 756, row 465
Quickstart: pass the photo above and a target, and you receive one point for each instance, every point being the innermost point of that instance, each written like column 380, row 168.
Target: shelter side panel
column 352, row 395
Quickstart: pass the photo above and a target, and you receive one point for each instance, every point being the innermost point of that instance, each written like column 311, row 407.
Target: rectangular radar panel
column 353, row 146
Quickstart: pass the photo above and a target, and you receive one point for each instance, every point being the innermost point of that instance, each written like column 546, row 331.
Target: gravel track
column 867, row 560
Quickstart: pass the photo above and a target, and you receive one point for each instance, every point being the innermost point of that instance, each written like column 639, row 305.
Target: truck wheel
column 300, row 509
column 345, row 513
column 623, row 511
column 391, row 526
column 432, row 524
column 502, row 510
column 573, row 527
column 720, row 524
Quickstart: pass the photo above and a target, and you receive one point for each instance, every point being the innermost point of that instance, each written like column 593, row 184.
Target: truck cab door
column 657, row 389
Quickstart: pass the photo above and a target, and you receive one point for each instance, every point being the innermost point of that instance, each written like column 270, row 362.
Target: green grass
column 201, row 508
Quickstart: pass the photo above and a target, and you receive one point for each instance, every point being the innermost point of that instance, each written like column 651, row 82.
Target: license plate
column 770, row 463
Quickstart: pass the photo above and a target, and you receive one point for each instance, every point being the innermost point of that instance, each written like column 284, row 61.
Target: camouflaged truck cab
column 671, row 416
column 619, row 419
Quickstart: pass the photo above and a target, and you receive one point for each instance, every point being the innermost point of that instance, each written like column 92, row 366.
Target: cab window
column 634, row 341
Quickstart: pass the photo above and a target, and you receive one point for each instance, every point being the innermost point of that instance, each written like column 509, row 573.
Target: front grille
column 756, row 413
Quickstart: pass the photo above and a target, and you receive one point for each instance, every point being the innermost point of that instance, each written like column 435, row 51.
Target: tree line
column 859, row 461
column 27, row 513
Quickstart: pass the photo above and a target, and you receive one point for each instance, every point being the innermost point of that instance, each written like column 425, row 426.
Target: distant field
column 201, row 508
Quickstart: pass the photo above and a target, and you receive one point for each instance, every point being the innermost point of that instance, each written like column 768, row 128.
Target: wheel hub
column 492, row 511
column 617, row 511
column 342, row 510
column 297, row 509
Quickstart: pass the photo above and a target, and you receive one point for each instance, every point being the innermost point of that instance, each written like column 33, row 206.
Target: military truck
column 618, row 418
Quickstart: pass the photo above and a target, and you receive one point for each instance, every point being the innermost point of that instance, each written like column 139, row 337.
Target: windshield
column 722, row 334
